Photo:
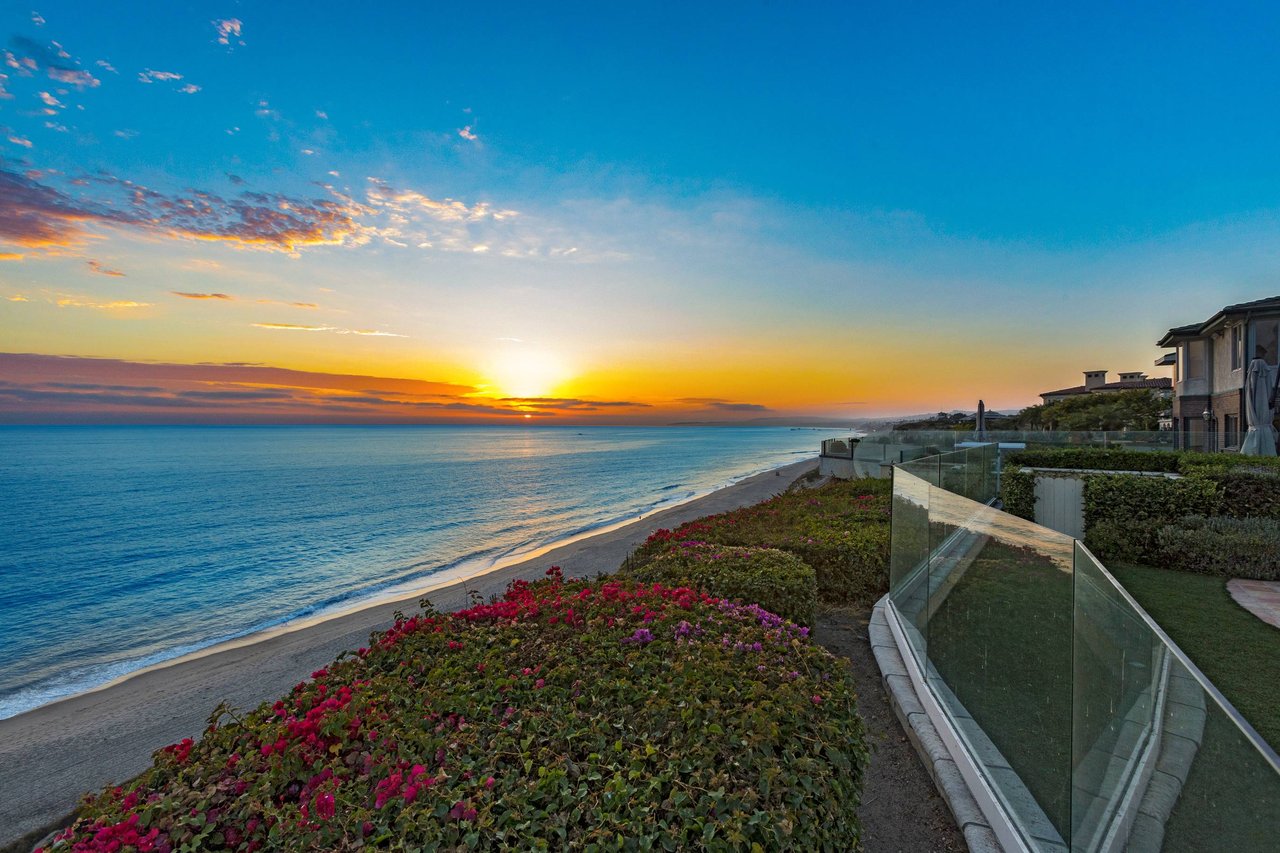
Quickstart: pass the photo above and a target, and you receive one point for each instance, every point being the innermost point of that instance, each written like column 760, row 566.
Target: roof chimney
column 1133, row 376
column 1094, row 378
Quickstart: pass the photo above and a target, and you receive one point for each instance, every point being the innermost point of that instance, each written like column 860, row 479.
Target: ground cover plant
column 777, row 581
column 589, row 715
column 841, row 529
column 1230, row 547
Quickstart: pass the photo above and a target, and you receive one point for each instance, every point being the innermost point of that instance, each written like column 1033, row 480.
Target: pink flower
column 489, row 783
column 324, row 805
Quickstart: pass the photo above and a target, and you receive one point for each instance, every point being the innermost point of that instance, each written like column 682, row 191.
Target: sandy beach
column 52, row 755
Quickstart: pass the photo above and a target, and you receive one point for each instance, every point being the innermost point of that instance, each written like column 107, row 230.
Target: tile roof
column 1126, row 385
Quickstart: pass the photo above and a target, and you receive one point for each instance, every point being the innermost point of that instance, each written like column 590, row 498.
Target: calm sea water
column 121, row 547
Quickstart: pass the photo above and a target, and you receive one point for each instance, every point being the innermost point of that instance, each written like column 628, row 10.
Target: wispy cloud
column 310, row 305
column 20, row 140
column 229, row 30
column 723, row 405
column 189, row 89
column 186, row 295
column 77, row 302
column 293, row 327
column 297, row 327
column 40, row 388
column 34, row 214
column 17, row 297
column 150, row 76
column 37, row 19
column 97, row 267
column 465, row 133
column 28, row 56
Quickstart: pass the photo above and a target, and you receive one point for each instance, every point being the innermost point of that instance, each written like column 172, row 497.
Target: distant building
column 1095, row 382
column 1208, row 401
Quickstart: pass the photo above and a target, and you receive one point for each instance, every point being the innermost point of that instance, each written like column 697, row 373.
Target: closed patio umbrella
column 980, row 424
column 1260, row 440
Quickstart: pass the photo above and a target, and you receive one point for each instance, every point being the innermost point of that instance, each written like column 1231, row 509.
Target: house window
column 1267, row 336
column 1194, row 360
column 1237, row 347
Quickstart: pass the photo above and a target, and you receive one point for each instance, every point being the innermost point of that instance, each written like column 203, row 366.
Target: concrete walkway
column 1261, row 598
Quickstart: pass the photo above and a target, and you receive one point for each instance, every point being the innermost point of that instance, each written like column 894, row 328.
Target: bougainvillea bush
column 777, row 581
column 606, row 715
column 840, row 528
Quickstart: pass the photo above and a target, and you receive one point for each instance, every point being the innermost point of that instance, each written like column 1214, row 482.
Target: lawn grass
column 1238, row 652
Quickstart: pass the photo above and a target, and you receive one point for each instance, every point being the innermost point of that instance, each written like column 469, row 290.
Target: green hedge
column 606, row 716
column 1246, row 493
column 1018, row 493
column 776, row 580
column 1202, row 463
column 1098, row 459
column 841, row 529
column 1125, row 508
column 1230, row 547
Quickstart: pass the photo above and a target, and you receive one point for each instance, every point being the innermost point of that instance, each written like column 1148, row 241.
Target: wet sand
column 52, row 755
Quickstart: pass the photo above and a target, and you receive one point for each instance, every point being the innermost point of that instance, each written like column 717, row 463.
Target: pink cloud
column 101, row 270
column 229, row 30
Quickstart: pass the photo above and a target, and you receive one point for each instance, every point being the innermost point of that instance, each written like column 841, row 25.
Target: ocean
column 122, row 547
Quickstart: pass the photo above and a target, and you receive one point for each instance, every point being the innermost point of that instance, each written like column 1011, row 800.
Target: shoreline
column 53, row 753
column 463, row 571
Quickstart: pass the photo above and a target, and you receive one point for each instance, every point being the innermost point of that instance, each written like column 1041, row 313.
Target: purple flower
column 641, row 637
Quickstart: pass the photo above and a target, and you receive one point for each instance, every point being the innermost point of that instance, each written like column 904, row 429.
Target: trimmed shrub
column 563, row 716
column 1135, row 508
column 777, row 581
column 841, row 529
column 1018, row 493
column 1205, row 463
column 1230, row 547
column 1247, row 493
column 1098, row 459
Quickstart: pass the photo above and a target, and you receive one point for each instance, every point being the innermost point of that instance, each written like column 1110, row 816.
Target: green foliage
column 1097, row 459
column 776, row 580
column 565, row 716
column 1111, row 410
column 1134, row 508
column 1230, row 547
column 841, row 529
column 1018, row 492
column 1212, row 463
column 1247, row 493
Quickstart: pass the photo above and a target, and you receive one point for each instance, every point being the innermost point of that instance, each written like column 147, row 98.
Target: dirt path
column 901, row 809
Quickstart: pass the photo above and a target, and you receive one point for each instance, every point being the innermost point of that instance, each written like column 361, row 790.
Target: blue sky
column 998, row 195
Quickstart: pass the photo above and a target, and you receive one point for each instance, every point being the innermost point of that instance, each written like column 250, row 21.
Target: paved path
column 1261, row 598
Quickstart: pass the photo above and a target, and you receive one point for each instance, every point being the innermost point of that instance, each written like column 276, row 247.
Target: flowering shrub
column 841, row 529
column 774, row 579
column 564, row 715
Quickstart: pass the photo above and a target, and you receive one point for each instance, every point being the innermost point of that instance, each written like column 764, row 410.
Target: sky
column 615, row 213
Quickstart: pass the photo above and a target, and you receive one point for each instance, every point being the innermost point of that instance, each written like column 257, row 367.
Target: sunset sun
column 522, row 372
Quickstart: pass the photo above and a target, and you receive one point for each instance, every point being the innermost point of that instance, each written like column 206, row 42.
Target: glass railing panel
column 998, row 635
column 909, row 556
column 1161, row 760
column 1214, row 788
column 1120, row 670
